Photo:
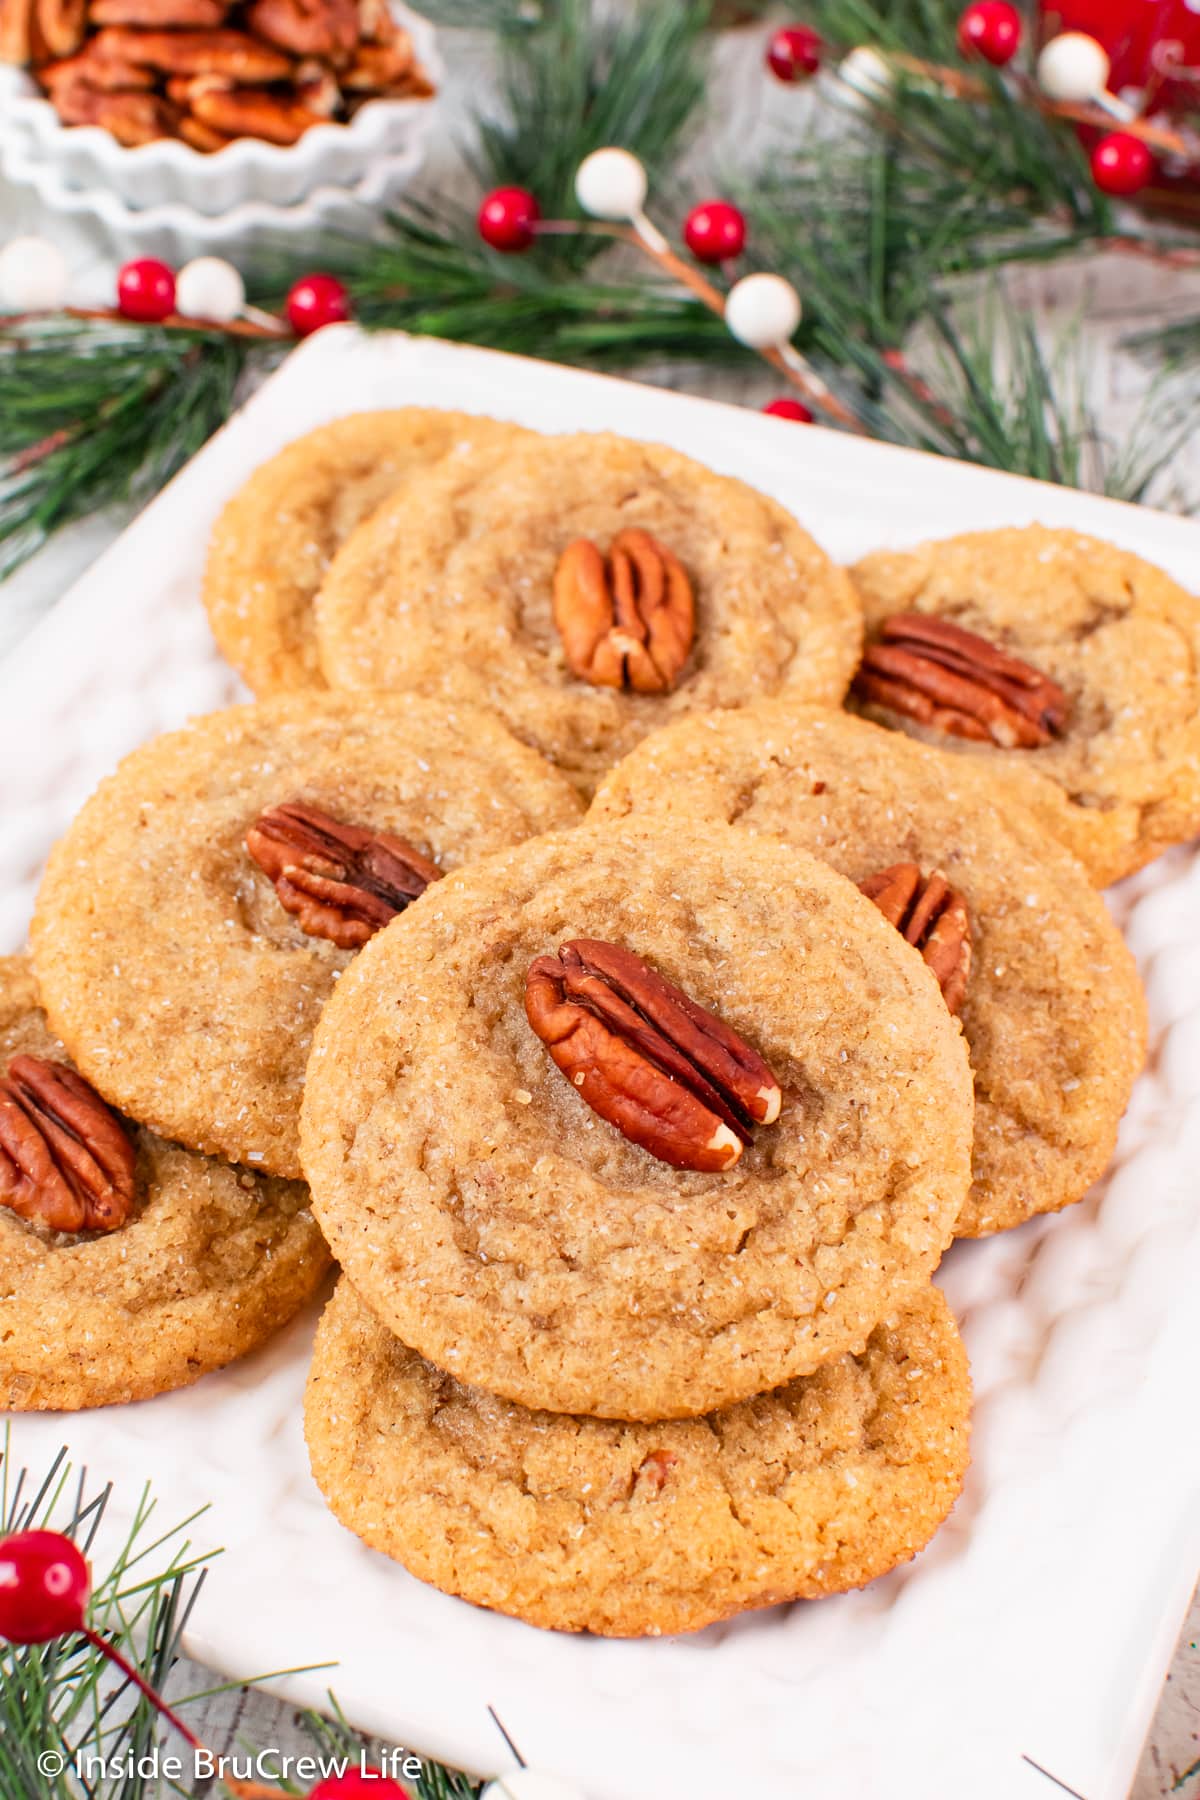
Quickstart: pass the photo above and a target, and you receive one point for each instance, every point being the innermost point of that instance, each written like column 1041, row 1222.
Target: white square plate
column 1037, row 1628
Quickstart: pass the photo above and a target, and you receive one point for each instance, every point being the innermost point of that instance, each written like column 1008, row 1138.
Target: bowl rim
column 24, row 167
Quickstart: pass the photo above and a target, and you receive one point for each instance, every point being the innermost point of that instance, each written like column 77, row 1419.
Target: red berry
column 714, row 231
column 1121, row 164
column 991, row 29
column 789, row 409
column 316, row 301
column 795, row 52
column 507, row 217
column 146, row 291
column 44, row 1587
column 359, row 1784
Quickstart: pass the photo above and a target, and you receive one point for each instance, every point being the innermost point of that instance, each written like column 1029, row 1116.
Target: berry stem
column 968, row 87
column 789, row 363
column 244, row 1790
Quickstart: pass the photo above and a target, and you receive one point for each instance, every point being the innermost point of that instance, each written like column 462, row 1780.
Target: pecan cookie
column 274, row 541
column 1049, row 996
column 583, row 1524
column 642, row 1225
column 590, row 588
column 1067, row 667
column 199, row 910
column 127, row 1265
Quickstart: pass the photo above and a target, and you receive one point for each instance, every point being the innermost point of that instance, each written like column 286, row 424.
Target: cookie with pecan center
column 201, row 1263
column 591, row 588
column 584, row 1524
column 198, row 912
column 521, row 1233
column 275, row 539
column 1007, row 921
column 1065, row 667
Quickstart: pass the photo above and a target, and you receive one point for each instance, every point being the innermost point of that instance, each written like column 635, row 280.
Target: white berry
column 1073, row 67
column 33, row 275
column 866, row 78
column 762, row 311
column 611, row 184
column 209, row 288
column 530, row 1784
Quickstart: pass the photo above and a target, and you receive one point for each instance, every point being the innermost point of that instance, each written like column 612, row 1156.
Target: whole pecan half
column 66, row 1160
column 935, row 672
column 233, row 55
column 306, row 27
column 933, row 916
column 230, row 111
column 342, row 882
column 89, row 73
column 630, row 622
column 669, row 1075
column 159, row 15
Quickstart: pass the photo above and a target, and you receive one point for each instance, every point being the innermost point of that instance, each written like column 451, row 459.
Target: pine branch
column 583, row 81
column 60, row 1696
column 1177, row 344
column 989, row 391
column 93, row 414
column 428, row 273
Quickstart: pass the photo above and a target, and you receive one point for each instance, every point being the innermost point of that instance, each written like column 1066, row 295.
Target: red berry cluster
column 146, row 293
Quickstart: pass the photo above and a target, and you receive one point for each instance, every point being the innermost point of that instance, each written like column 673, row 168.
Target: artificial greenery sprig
column 72, row 1730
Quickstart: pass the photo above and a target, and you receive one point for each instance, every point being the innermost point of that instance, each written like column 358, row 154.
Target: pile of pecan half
column 211, row 71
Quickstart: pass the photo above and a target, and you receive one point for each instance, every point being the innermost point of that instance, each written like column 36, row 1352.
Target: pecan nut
column 340, row 881
column 675, row 1079
column 66, row 1160
column 933, row 917
column 629, row 623
column 231, row 112
column 326, row 28
column 159, row 15
column 40, row 30
column 935, row 672
column 233, row 55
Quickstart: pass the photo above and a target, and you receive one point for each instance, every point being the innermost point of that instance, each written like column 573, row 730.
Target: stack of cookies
column 651, row 945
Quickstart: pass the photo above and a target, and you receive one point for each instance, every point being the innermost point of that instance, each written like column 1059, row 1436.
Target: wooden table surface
column 1107, row 297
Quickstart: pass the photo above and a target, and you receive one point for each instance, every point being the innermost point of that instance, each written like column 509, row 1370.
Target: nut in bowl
column 206, row 104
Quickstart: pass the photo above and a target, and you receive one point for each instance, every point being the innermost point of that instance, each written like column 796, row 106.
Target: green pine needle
column 94, row 414
column 66, row 1697
column 584, row 81
column 428, row 273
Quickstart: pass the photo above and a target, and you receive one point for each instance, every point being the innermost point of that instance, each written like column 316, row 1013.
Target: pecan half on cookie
column 340, row 881
column 672, row 1077
column 933, row 917
column 65, row 1158
column 956, row 681
column 627, row 623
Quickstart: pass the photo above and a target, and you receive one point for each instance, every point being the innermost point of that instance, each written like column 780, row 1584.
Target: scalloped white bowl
column 170, row 173
column 250, row 232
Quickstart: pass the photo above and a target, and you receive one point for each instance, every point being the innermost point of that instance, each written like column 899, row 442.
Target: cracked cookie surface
column 1053, row 1012
column 517, row 1239
column 275, row 539
column 450, row 588
column 1122, row 782
column 583, row 1524
column 212, row 1261
column 167, row 962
